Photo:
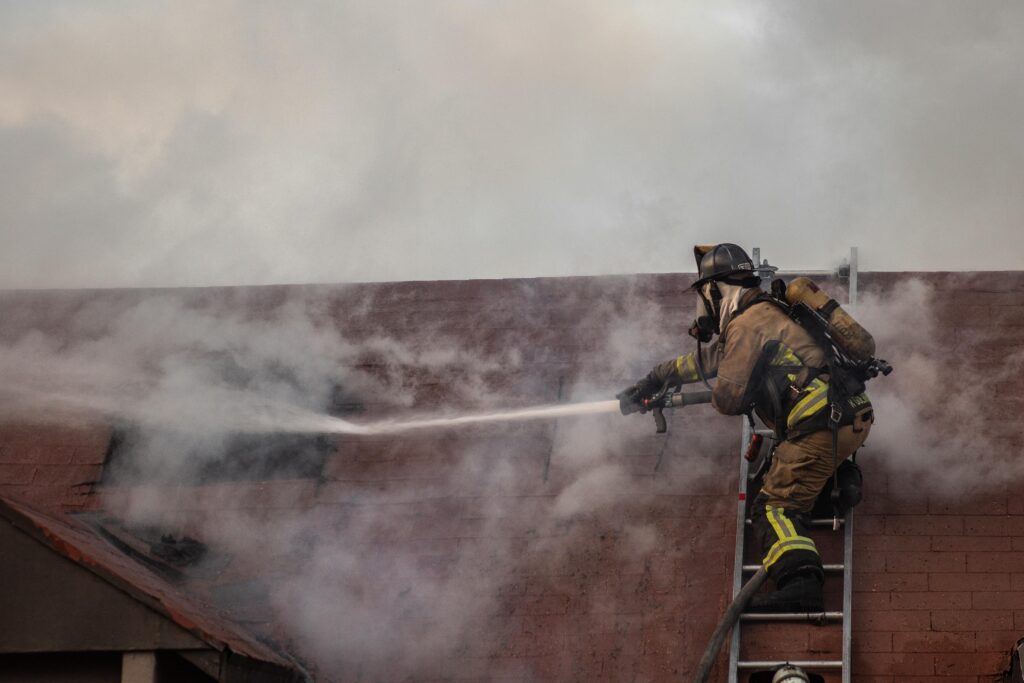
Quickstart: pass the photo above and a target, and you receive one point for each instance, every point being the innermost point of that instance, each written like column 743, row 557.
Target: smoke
column 406, row 551
column 946, row 422
column 468, row 560
column 397, row 548
column 192, row 143
column 191, row 373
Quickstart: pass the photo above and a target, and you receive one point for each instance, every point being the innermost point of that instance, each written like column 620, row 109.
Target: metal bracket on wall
column 852, row 286
column 847, row 273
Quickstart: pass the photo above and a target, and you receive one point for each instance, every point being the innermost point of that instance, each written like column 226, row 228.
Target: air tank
column 847, row 332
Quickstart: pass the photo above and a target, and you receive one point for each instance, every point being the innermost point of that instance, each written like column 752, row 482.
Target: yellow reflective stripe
column 787, row 534
column 782, row 547
column 778, row 518
column 686, row 368
column 795, row 417
column 787, row 522
column 811, row 403
column 785, row 356
column 780, row 530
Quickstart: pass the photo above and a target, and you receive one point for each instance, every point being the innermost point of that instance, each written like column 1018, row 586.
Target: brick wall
column 52, row 466
column 575, row 577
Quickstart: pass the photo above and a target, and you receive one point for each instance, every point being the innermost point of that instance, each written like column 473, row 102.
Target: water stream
column 329, row 424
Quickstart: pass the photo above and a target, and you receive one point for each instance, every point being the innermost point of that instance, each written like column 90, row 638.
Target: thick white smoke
column 235, row 142
column 363, row 577
column 402, row 553
column 946, row 420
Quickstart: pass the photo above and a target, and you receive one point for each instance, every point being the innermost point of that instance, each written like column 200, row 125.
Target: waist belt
column 811, row 411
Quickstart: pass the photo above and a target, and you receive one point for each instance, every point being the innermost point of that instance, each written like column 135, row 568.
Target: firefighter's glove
column 632, row 398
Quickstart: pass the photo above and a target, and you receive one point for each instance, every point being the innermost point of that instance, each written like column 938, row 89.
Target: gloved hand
column 631, row 399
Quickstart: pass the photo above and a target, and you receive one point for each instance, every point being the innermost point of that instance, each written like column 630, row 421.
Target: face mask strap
column 716, row 303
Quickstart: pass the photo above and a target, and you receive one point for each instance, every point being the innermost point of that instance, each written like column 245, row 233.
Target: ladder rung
column 813, row 617
column 823, row 521
column 827, row 567
column 810, row 664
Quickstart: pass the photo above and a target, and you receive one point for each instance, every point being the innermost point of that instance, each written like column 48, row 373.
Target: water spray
column 241, row 411
column 337, row 425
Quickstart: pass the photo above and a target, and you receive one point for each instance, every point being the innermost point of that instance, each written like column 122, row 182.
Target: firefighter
column 766, row 362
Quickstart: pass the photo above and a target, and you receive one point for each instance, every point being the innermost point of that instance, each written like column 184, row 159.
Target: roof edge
column 58, row 536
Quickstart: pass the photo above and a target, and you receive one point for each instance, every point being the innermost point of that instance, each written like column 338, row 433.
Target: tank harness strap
column 700, row 368
column 834, row 419
column 827, row 310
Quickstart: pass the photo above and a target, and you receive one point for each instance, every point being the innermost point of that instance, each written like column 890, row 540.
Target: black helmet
column 726, row 262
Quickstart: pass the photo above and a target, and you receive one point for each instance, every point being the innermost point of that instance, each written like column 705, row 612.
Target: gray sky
column 192, row 143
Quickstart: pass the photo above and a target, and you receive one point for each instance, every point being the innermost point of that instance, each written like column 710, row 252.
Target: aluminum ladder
column 742, row 571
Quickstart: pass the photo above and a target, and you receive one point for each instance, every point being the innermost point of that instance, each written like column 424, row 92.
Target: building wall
column 51, row 604
column 631, row 589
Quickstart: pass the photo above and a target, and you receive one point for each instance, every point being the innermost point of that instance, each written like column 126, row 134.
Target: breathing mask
column 705, row 325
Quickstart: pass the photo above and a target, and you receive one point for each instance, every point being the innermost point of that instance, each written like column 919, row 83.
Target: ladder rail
column 851, row 300
column 847, row 594
column 737, row 563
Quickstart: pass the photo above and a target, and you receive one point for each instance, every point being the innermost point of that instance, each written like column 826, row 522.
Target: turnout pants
column 798, row 473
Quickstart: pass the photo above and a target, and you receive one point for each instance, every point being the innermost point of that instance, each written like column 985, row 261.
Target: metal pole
column 853, row 276
column 848, row 530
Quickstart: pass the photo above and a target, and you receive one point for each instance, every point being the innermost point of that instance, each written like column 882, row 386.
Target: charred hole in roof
column 146, row 455
column 138, row 455
column 168, row 552
column 343, row 402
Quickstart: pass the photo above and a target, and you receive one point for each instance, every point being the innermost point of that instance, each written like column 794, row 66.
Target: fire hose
column 728, row 621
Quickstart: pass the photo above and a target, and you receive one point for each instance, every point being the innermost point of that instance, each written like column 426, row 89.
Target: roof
column 81, row 544
column 553, row 548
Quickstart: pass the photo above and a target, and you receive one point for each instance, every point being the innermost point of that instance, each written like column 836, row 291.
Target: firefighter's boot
column 801, row 593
